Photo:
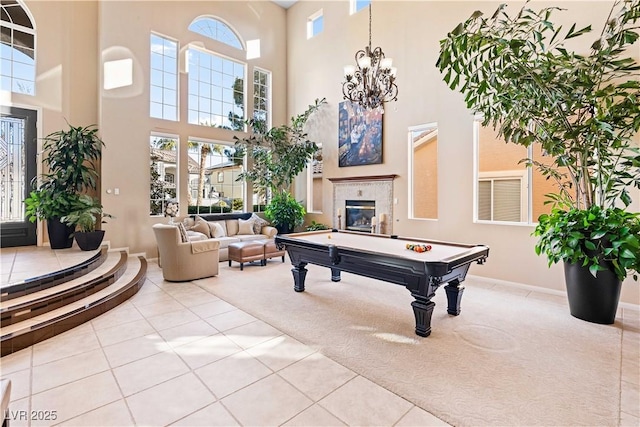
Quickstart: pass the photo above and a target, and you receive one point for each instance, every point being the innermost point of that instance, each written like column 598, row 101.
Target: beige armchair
column 183, row 261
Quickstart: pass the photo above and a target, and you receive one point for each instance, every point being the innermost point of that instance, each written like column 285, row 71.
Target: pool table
column 386, row 257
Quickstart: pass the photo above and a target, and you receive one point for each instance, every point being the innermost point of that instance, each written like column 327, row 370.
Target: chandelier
column 371, row 82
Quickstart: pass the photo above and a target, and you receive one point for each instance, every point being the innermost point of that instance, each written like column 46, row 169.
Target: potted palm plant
column 277, row 156
column 583, row 110
column 70, row 157
column 84, row 218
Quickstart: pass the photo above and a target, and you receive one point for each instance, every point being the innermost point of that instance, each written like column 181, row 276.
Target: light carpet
column 507, row 359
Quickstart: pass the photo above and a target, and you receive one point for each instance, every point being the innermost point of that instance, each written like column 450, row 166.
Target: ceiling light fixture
column 371, row 82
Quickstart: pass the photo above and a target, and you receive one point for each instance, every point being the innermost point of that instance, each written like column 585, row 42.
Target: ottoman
column 272, row 251
column 252, row 250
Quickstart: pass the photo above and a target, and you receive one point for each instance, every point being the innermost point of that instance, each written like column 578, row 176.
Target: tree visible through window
column 261, row 92
column 162, row 170
column 216, row 90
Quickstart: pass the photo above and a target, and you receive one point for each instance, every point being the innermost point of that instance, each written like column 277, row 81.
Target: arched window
column 216, row 30
column 17, row 49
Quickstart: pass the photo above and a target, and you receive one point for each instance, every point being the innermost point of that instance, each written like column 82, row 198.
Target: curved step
column 36, row 303
column 28, row 332
column 45, row 281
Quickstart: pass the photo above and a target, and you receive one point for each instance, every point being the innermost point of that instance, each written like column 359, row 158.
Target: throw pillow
column 258, row 223
column 194, row 236
column 201, row 226
column 216, row 229
column 245, row 226
column 184, row 237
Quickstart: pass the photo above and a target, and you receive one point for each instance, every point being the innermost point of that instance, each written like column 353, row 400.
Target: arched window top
column 217, row 30
column 14, row 13
column 17, row 48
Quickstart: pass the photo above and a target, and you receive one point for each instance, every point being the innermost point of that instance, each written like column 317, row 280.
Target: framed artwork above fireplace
column 359, row 135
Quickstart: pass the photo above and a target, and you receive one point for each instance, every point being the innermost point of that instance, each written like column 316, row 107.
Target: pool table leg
column 422, row 310
column 454, row 296
column 299, row 274
column 335, row 275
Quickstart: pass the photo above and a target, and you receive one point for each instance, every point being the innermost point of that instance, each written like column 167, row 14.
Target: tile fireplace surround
column 378, row 188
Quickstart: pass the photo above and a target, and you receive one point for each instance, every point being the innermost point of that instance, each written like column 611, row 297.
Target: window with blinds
column 500, row 199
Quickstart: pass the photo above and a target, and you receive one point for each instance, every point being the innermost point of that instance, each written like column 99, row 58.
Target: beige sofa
column 230, row 228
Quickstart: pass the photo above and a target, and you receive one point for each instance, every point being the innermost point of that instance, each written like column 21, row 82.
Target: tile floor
column 175, row 354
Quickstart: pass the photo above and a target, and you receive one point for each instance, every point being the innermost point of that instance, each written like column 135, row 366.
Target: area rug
column 507, row 359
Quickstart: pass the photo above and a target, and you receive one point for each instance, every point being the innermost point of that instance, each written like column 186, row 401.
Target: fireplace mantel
column 364, row 178
column 376, row 188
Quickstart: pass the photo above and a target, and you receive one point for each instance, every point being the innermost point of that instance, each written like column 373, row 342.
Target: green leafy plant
column 285, row 210
column 276, row 157
column 278, row 154
column 583, row 111
column 86, row 213
column 314, row 226
column 70, row 157
column 591, row 237
column 44, row 204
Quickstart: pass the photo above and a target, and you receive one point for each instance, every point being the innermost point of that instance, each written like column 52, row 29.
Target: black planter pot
column 594, row 299
column 284, row 229
column 89, row 240
column 60, row 234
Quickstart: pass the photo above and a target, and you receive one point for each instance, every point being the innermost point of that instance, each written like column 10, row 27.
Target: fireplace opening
column 359, row 214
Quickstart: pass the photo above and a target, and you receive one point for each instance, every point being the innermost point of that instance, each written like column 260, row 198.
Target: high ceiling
column 284, row 3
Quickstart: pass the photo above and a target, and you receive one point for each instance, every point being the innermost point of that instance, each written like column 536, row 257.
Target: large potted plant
column 70, row 157
column 584, row 112
column 277, row 155
column 84, row 218
column 285, row 212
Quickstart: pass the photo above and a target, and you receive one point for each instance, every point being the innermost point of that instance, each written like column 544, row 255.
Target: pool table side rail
column 317, row 253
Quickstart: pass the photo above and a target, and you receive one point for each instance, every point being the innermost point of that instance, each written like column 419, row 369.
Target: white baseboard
column 487, row 280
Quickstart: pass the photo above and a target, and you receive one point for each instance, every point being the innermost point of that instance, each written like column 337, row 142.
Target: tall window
column 315, row 24
column 314, row 183
column 507, row 190
column 164, row 78
column 163, row 172
column 213, row 172
column 261, row 95
column 423, row 166
column 215, row 29
column 17, row 50
column 216, row 90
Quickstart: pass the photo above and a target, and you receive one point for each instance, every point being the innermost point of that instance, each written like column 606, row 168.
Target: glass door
column 18, row 148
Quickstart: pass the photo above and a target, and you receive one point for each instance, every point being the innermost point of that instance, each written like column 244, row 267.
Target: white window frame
column 176, row 175
column 520, row 175
column 189, row 94
column 353, row 4
column 168, row 101
column 33, row 32
column 311, row 20
column 432, row 125
column 269, row 92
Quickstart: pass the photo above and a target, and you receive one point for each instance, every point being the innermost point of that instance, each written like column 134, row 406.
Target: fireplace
column 359, row 214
